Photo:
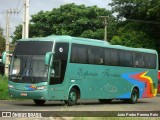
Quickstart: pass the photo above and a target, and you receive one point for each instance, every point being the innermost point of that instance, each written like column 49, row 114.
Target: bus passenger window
column 95, row 55
column 147, row 60
column 74, row 55
column 150, row 61
column 114, row 57
column 136, row 64
column 101, row 61
column 91, row 56
column 122, row 58
column 153, row 61
column 78, row 54
column 107, row 57
column 82, row 54
column 138, row 60
column 128, row 59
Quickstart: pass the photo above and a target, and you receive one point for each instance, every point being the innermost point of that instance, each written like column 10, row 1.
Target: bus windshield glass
column 28, row 69
column 27, row 64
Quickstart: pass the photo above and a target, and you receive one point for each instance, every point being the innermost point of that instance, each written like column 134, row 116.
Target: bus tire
column 72, row 97
column 134, row 96
column 39, row 102
column 105, row 100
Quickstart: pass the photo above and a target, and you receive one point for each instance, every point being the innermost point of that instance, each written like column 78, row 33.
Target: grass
column 4, row 88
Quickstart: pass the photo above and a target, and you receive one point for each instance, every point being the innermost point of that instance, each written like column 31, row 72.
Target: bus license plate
column 23, row 94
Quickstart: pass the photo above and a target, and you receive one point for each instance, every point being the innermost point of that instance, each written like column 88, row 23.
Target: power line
column 22, row 7
column 20, row 10
column 143, row 21
column 10, row 11
column 18, row 4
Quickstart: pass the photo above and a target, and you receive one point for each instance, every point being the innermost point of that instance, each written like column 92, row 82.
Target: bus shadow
column 79, row 103
column 112, row 103
column 45, row 105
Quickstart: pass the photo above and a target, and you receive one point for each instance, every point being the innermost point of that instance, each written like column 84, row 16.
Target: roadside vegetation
column 4, row 88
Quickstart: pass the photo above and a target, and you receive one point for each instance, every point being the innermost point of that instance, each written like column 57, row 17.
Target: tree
column 17, row 34
column 2, row 41
column 131, row 37
column 137, row 9
column 144, row 14
column 70, row 19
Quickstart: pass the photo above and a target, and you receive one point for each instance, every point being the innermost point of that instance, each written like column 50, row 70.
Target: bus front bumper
column 36, row 94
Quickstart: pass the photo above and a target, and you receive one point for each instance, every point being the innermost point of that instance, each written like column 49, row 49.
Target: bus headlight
column 10, row 86
column 41, row 87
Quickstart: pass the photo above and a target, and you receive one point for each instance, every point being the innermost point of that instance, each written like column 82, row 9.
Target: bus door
column 56, row 87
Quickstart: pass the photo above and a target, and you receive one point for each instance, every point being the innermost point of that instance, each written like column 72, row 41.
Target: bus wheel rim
column 72, row 96
column 134, row 96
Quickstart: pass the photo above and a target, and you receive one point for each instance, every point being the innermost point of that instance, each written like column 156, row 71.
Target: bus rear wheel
column 72, row 98
column 39, row 102
column 134, row 96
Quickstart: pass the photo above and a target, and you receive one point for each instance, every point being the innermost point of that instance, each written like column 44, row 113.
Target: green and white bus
column 69, row 68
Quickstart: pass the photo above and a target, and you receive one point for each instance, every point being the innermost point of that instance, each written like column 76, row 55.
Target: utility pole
column 8, row 13
column 7, row 43
column 105, row 24
column 25, row 30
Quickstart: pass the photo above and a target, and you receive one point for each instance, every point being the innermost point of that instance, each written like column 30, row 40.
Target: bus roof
column 87, row 41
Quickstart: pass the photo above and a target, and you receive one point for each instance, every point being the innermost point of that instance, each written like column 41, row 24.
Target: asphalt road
column 85, row 108
column 145, row 104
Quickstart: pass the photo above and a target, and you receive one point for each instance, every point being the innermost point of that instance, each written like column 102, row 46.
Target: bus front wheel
column 72, row 98
column 39, row 102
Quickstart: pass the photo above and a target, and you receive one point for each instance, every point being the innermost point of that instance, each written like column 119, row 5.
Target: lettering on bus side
column 85, row 73
column 108, row 73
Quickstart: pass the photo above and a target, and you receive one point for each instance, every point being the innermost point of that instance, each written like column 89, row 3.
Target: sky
column 38, row 5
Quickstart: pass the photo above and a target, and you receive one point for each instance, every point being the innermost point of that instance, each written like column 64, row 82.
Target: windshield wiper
column 16, row 76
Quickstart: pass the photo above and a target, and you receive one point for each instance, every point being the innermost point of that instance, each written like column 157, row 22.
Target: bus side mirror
column 48, row 57
column 4, row 57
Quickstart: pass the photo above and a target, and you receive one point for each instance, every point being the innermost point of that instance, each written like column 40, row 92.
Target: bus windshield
column 28, row 69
